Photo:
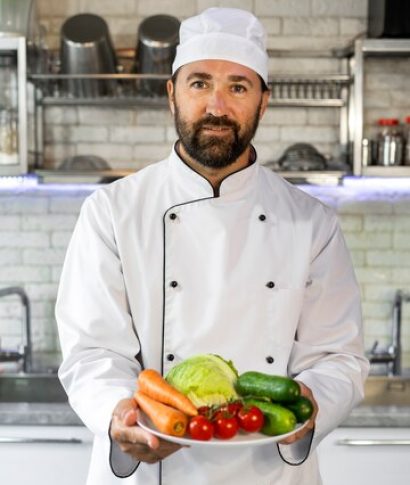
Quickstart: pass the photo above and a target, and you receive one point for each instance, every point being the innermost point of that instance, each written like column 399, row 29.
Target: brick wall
column 36, row 225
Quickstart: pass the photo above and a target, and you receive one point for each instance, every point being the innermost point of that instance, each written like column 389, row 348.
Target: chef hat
column 227, row 34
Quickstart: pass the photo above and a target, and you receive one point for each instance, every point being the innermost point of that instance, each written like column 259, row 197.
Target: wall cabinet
column 357, row 456
column 44, row 455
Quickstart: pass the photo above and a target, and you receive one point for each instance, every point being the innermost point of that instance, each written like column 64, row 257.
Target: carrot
column 155, row 386
column 166, row 419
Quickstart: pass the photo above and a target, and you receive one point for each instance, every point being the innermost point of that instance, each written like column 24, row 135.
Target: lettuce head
column 206, row 379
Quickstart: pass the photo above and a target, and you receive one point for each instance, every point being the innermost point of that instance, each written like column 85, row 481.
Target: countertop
column 38, row 414
column 60, row 414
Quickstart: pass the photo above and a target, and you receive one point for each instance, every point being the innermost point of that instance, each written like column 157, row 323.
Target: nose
column 217, row 104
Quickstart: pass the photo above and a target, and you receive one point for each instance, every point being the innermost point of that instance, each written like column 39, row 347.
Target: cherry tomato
column 226, row 426
column 200, row 428
column 204, row 410
column 234, row 407
column 250, row 419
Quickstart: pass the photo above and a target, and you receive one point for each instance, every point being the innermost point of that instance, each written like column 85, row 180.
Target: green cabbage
column 206, row 379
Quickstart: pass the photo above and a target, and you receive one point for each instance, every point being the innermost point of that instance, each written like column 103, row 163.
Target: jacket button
column 270, row 284
column 262, row 217
column 172, row 216
column 170, row 357
column 174, row 284
column 270, row 359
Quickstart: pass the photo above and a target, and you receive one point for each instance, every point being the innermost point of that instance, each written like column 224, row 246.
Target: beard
column 215, row 151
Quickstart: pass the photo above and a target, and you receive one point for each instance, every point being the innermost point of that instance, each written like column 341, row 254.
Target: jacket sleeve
column 98, row 340
column 328, row 354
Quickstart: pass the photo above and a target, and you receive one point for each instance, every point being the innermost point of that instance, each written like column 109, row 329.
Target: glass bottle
column 8, row 110
column 8, row 138
column 406, row 158
column 389, row 142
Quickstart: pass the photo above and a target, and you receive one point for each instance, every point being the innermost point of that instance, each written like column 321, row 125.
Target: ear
column 171, row 95
column 264, row 104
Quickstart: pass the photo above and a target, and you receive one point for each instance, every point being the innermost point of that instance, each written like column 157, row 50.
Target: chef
column 207, row 251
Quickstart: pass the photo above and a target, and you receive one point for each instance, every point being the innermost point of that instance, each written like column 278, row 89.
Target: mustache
column 218, row 121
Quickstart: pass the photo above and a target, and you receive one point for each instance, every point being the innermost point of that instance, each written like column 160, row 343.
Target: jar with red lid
column 406, row 158
column 389, row 142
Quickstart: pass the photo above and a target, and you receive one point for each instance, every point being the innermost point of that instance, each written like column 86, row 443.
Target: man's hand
column 305, row 391
column 132, row 439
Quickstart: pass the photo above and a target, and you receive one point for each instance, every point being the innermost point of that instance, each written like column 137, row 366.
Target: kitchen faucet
column 26, row 352
column 391, row 355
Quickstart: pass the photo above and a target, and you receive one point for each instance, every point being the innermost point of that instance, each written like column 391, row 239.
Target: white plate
column 241, row 439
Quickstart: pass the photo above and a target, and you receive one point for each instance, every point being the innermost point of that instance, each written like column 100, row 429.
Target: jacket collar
column 195, row 186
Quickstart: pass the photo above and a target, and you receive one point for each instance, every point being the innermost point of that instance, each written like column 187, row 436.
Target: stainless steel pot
column 158, row 37
column 86, row 48
column 16, row 17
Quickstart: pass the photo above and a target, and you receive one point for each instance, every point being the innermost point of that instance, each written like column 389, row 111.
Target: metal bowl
column 86, row 48
column 158, row 37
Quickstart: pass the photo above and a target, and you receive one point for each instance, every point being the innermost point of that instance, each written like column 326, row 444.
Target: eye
column 239, row 88
column 198, row 84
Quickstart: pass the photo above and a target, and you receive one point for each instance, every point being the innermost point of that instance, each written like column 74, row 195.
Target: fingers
column 124, row 406
column 142, row 451
column 130, row 417
column 134, row 440
column 126, row 431
column 309, row 425
column 299, row 434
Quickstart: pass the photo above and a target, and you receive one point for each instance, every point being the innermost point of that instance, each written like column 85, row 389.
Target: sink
column 387, row 391
column 34, row 388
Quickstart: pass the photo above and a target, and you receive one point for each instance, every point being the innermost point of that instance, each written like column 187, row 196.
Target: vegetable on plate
column 151, row 383
column 200, row 428
column 278, row 388
column 278, row 419
column 250, row 419
column 206, row 379
column 166, row 419
column 226, row 425
column 302, row 408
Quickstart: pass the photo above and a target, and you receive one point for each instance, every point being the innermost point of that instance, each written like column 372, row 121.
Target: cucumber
column 278, row 419
column 278, row 388
column 302, row 408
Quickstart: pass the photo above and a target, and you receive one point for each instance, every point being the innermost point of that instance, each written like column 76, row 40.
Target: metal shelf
column 120, row 101
column 80, row 176
column 319, row 91
column 379, row 171
column 325, row 177
column 294, row 90
column 361, row 49
column 386, row 47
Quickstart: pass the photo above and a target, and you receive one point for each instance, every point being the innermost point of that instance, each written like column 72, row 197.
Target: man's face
column 217, row 106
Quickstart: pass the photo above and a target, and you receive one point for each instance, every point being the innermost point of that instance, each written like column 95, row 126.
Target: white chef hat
column 227, row 34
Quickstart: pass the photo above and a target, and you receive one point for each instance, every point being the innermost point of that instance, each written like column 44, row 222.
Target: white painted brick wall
column 352, row 8
column 89, row 115
column 245, row 4
column 318, row 27
column 282, row 8
column 34, row 232
column 377, row 231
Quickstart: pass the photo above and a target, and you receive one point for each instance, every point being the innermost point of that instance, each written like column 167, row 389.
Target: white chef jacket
column 160, row 268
